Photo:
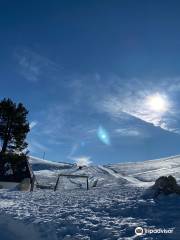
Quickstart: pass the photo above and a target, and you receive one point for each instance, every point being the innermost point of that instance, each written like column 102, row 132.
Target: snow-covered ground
column 111, row 210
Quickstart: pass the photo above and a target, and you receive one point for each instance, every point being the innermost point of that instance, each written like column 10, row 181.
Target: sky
column 101, row 79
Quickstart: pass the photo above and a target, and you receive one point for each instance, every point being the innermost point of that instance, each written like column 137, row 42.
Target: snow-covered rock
column 164, row 185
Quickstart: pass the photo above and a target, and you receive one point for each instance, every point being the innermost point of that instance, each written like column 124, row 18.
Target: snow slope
column 110, row 211
column 150, row 170
column 142, row 174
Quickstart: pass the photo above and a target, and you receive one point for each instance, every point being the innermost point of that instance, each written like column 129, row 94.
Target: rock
column 165, row 185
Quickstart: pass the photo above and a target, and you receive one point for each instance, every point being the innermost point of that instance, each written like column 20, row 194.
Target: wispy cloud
column 36, row 147
column 89, row 102
column 66, row 122
column 32, row 66
column 128, row 132
column 129, row 99
column 135, row 106
column 33, row 124
column 171, row 84
column 54, row 120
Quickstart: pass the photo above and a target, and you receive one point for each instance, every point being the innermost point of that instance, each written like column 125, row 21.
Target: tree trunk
column 7, row 136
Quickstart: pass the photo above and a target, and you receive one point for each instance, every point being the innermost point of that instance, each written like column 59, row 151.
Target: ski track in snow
column 129, row 179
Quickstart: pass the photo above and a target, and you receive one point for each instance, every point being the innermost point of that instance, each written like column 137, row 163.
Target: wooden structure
column 72, row 176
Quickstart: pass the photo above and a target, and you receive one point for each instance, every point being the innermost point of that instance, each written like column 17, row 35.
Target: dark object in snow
column 165, row 185
column 15, row 169
column 80, row 167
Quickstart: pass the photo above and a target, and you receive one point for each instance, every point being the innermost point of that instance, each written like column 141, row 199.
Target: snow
column 41, row 164
column 130, row 179
column 110, row 211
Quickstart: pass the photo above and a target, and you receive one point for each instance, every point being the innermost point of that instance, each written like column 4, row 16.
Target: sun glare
column 157, row 103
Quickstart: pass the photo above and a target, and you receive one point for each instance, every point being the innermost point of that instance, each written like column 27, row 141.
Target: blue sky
column 101, row 79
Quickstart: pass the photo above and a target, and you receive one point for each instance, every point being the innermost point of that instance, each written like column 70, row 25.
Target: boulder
column 165, row 185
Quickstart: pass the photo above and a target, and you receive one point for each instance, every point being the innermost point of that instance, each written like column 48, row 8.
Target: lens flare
column 103, row 135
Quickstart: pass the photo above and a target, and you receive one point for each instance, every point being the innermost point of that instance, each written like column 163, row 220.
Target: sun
column 157, row 103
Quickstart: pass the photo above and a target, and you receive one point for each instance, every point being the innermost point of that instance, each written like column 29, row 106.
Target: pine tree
column 13, row 126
